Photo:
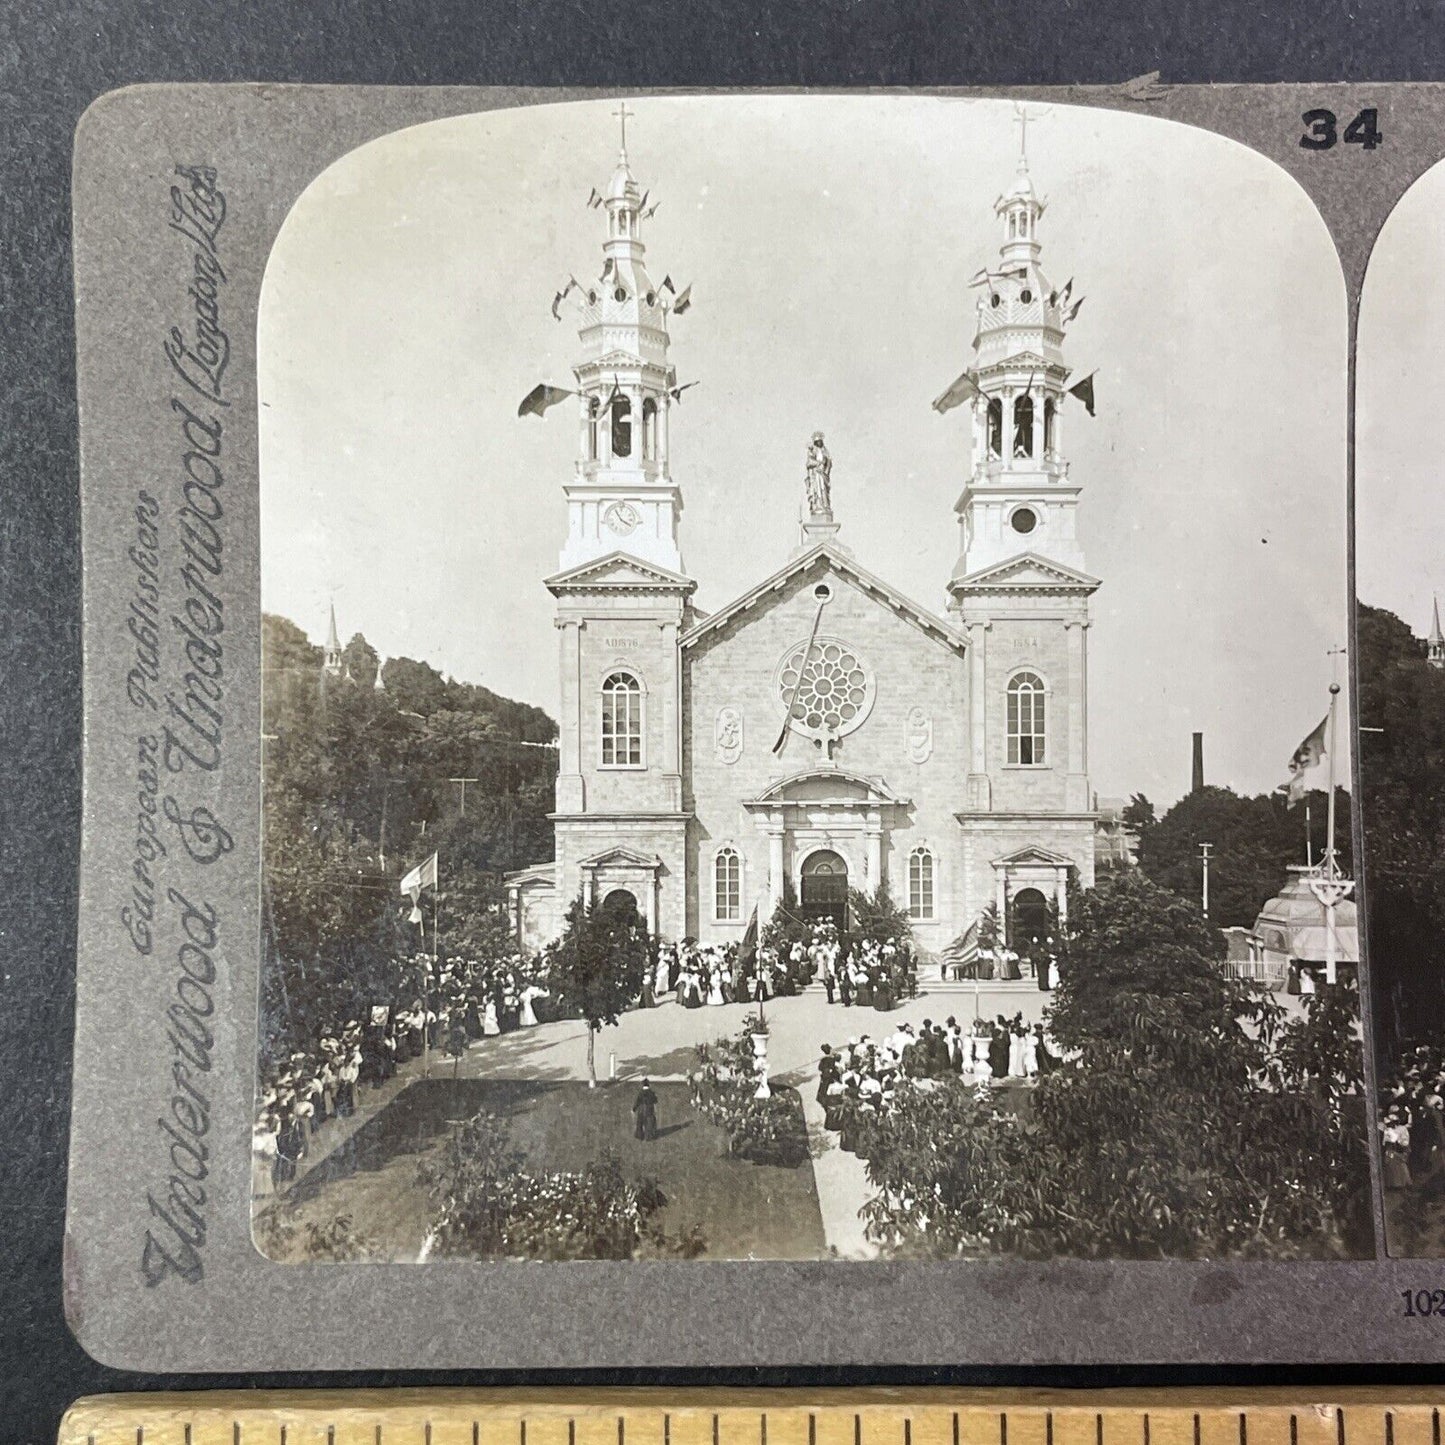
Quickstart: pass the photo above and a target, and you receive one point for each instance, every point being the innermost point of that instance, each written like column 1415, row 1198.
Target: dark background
column 55, row 58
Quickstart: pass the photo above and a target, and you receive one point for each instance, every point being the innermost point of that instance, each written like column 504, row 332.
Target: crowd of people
column 858, row 1079
column 1412, row 1120
column 307, row 1089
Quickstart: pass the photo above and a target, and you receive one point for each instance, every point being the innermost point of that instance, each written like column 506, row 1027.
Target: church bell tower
column 1019, row 497
column 623, row 497
column 1019, row 591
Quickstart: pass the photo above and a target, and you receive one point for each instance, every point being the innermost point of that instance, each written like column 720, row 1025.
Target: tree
column 1254, row 842
column 360, row 662
column 1138, row 816
column 1402, row 775
column 596, row 968
column 878, row 917
column 1182, row 1122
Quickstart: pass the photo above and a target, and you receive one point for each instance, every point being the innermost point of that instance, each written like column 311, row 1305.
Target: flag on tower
column 1084, row 390
column 962, row 390
column 540, row 398
column 1309, row 754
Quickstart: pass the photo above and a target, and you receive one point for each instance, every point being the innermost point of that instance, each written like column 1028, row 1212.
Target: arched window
column 1024, row 426
column 995, row 427
column 649, row 430
column 1026, row 720
column 920, row 884
column 621, row 721
column 621, row 427
column 1048, row 426
column 727, row 886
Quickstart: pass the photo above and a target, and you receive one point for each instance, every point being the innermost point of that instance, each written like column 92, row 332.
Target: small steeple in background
column 331, row 662
column 1436, row 640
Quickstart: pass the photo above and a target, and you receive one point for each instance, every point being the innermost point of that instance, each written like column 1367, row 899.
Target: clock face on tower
column 622, row 518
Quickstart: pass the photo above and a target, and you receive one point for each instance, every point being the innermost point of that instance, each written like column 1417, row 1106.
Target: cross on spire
column 622, row 113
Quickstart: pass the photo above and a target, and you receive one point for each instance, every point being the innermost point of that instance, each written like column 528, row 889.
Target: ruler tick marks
column 620, row 1439
column 1048, row 1428
column 857, row 1430
column 572, row 1432
column 762, row 1428
column 813, row 1430
column 1340, row 1427
column 1002, row 1429
column 1243, row 1429
column 955, row 1429
column 1196, row 1429
column 1146, row 1427
column 907, row 1431
column 714, row 1430
column 1389, row 1427
column 1434, row 1427
column 1099, row 1431
column 666, row 1431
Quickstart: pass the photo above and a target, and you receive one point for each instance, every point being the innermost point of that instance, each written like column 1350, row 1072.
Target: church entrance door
column 1030, row 921
column 620, row 907
column 825, row 888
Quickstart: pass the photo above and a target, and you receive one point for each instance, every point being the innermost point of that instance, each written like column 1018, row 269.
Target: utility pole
column 462, row 782
column 1204, row 876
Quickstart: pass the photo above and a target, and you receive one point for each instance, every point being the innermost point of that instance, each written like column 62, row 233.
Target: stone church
column 822, row 731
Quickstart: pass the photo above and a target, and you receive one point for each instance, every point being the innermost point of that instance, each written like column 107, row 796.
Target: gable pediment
column 618, row 572
column 821, row 561
column 1028, row 572
column 1033, row 854
column 621, row 857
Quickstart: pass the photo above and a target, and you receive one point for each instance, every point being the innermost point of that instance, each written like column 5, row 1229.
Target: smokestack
column 1198, row 762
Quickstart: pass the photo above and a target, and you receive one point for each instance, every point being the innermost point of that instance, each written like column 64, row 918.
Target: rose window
column 826, row 688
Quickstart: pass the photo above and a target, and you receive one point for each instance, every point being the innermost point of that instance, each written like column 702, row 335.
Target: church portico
column 825, row 809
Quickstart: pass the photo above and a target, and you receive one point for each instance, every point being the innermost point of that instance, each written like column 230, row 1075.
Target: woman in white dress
column 1015, row 1053
column 1031, row 1055
column 662, row 975
column 528, row 1019
column 714, row 987
column 490, row 1025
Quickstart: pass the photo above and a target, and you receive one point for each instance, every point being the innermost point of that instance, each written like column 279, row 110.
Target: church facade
column 822, row 731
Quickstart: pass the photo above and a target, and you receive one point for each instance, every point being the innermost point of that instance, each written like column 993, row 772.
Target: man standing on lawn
column 644, row 1110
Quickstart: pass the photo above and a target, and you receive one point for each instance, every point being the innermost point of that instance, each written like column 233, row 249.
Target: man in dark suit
column 644, row 1111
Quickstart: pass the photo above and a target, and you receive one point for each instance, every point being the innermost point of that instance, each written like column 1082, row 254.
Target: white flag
column 424, row 875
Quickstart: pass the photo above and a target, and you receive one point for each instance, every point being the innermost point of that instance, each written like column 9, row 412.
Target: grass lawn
column 746, row 1211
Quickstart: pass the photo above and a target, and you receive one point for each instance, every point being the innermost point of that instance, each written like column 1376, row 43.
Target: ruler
column 873, row 1416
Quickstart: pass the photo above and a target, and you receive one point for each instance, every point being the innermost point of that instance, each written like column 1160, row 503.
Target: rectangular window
column 621, row 722
column 727, row 887
column 920, row 885
column 1026, row 722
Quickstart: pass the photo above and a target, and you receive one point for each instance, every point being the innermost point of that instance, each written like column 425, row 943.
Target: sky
column 1400, row 425
column 406, row 310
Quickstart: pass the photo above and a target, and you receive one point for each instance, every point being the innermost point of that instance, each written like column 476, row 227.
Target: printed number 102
column 1423, row 1303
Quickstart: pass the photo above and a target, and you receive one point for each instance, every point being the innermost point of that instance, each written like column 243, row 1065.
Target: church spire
column 331, row 653
column 1436, row 641
column 1018, row 497
column 623, row 497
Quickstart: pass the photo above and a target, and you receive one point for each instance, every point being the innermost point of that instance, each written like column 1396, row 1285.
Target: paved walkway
column 659, row 1042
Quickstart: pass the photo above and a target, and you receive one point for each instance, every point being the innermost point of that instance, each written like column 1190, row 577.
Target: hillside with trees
column 360, row 783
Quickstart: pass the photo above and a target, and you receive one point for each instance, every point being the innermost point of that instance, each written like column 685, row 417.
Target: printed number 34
column 1322, row 130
